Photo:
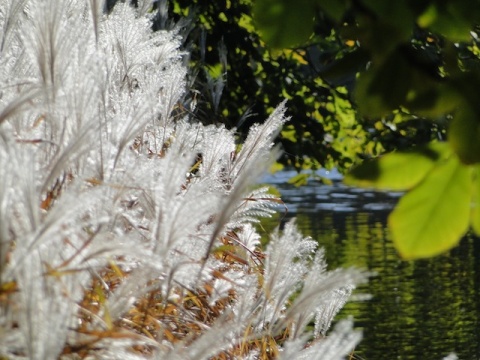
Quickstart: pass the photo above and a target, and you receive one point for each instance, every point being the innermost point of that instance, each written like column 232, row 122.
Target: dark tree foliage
column 238, row 81
column 314, row 77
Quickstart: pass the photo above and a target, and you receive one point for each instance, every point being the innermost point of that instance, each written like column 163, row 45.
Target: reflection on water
column 419, row 310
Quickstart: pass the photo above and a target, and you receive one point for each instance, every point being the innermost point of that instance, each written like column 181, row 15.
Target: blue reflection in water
column 419, row 310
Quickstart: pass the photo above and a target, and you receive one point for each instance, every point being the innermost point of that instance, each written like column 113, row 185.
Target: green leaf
column 289, row 133
column 432, row 217
column 275, row 167
column 449, row 19
column 464, row 130
column 394, row 13
column 380, row 90
column 475, row 214
column 299, row 180
column 335, row 9
column 284, row 23
column 399, row 170
column 431, row 100
column 428, row 17
column 464, row 133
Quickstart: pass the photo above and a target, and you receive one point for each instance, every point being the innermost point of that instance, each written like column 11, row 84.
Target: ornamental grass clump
column 127, row 228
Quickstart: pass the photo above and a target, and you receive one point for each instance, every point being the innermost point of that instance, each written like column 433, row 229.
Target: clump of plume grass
column 126, row 228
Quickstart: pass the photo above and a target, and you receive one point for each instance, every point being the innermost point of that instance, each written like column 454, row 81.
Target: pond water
column 419, row 310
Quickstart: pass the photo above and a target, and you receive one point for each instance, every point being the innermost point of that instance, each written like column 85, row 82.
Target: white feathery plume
column 337, row 346
column 103, row 176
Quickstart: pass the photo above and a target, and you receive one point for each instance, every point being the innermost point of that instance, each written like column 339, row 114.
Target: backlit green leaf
column 433, row 217
column 380, row 90
column 475, row 215
column 399, row 170
column 289, row 133
column 430, row 100
column 464, row 133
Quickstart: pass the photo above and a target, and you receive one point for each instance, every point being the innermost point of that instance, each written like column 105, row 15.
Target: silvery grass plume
column 126, row 228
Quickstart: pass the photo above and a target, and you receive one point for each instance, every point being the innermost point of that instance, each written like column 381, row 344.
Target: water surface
column 419, row 310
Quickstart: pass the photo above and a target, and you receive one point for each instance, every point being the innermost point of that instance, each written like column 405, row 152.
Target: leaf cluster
column 418, row 73
column 441, row 202
column 416, row 62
